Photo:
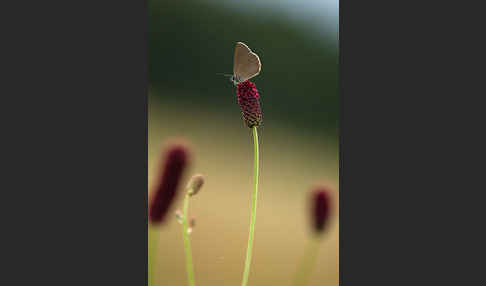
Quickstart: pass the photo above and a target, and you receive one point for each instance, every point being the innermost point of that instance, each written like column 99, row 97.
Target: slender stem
column 187, row 243
column 152, row 253
column 307, row 264
column 253, row 208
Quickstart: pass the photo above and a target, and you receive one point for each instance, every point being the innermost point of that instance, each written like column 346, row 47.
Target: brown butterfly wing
column 246, row 63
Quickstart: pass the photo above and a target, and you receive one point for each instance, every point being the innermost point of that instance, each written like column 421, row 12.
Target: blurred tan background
column 222, row 151
column 189, row 42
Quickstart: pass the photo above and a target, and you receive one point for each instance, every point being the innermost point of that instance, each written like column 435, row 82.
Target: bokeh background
column 190, row 42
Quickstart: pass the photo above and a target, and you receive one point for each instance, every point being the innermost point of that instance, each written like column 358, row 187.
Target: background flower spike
column 321, row 202
column 176, row 161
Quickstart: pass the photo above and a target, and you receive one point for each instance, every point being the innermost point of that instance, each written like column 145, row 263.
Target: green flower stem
column 187, row 243
column 253, row 208
column 308, row 262
column 153, row 240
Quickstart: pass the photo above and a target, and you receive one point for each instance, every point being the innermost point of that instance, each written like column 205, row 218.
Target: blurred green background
column 189, row 43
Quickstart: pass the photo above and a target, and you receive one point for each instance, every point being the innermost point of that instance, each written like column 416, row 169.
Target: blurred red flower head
column 175, row 162
column 320, row 202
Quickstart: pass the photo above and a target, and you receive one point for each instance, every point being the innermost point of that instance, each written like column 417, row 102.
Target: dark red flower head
column 320, row 202
column 250, row 106
column 176, row 160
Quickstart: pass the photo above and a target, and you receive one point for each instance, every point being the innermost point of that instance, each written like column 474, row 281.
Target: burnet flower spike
column 248, row 99
column 176, row 161
column 320, row 209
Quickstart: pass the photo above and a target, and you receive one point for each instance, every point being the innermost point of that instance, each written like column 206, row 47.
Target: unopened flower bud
column 195, row 184
column 192, row 224
column 179, row 216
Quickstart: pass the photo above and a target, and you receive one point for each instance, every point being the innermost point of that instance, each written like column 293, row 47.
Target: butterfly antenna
column 224, row 74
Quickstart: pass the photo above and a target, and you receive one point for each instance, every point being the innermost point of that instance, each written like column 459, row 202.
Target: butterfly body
column 235, row 80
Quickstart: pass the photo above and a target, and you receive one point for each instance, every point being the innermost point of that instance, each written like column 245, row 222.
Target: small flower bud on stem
column 195, row 184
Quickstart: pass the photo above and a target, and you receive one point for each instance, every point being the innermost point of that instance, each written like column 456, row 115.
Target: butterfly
column 246, row 64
